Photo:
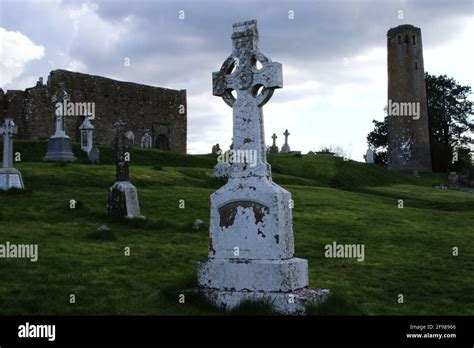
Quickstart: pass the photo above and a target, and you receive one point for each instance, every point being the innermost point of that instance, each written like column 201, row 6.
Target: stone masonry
column 163, row 111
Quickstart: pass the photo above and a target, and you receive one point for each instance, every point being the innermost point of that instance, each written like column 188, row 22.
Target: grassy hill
column 408, row 251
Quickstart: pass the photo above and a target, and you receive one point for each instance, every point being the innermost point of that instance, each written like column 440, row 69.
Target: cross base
column 10, row 178
column 289, row 303
column 59, row 150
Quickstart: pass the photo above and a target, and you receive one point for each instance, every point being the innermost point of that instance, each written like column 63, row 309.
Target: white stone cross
column 253, row 88
column 61, row 96
column 7, row 130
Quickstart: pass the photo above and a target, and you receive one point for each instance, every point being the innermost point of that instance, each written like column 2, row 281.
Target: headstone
column 94, row 155
column 453, row 180
column 251, row 249
column 59, row 144
column 198, row 224
column 131, row 137
column 369, row 156
column 87, row 135
column 274, row 147
column 286, row 148
column 123, row 196
column 9, row 176
column 146, row 141
column 216, row 149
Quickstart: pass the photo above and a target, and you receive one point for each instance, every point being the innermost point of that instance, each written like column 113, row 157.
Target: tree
column 449, row 113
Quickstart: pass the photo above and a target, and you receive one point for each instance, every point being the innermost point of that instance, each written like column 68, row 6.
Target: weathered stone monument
column 274, row 147
column 87, row 135
column 123, row 196
column 146, row 141
column 369, row 156
column 59, row 144
column 407, row 109
column 9, row 176
column 286, row 148
column 251, row 249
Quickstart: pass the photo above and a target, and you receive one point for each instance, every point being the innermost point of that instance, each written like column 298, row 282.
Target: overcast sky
column 333, row 55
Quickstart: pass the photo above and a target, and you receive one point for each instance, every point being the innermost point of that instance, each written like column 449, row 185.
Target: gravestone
column 94, row 155
column 87, row 135
column 286, row 148
column 369, row 156
column 453, row 180
column 146, row 141
column 251, row 248
column 59, row 144
column 123, row 196
column 9, row 176
column 274, row 147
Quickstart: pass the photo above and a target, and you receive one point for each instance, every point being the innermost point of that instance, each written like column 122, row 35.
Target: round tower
column 407, row 113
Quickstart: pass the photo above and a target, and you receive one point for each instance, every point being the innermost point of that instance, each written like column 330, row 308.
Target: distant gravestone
column 286, row 148
column 94, row 155
column 369, row 156
column 59, row 144
column 251, row 250
column 9, row 176
column 146, row 141
column 274, row 147
column 453, row 180
column 123, row 196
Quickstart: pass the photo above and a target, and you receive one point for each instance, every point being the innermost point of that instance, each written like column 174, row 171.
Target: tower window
column 399, row 39
column 413, row 39
column 407, row 40
column 416, row 65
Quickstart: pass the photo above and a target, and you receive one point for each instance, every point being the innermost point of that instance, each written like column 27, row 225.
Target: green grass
column 408, row 251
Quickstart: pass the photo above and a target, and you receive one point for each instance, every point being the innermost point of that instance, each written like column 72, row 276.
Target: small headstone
column 198, row 224
column 94, row 155
column 87, row 135
column 369, row 156
column 453, row 180
column 9, row 176
column 286, row 148
column 59, row 144
column 274, row 147
column 123, row 196
column 146, row 141
column 251, row 249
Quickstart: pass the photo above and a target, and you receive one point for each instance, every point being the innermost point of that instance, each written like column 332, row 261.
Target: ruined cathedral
column 159, row 112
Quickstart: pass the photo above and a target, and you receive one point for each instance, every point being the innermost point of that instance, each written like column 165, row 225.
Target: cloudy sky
column 333, row 55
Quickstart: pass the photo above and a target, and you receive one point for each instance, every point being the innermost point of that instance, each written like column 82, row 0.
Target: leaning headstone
column 94, row 155
column 123, row 196
column 146, row 140
column 286, row 148
column 274, row 147
column 251, row 249
column 369, row 156
column 9, row 176
column 59, row 144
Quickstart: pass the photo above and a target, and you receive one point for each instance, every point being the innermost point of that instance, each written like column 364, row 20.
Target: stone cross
column 286, row 134
column 121, row 145
column 61, row 96
column 7, row 130
column 274, row 137
column 253, row 87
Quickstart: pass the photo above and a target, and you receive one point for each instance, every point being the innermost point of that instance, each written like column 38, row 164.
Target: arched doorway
column 162, row 142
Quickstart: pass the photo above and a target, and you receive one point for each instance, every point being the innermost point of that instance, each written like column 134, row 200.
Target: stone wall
column 163, row 111
column 408, row 138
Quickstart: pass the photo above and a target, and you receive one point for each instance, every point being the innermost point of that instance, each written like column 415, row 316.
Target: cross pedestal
column 251, row 250
column 59, row 144
column 123, row 196
column 9, row 176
